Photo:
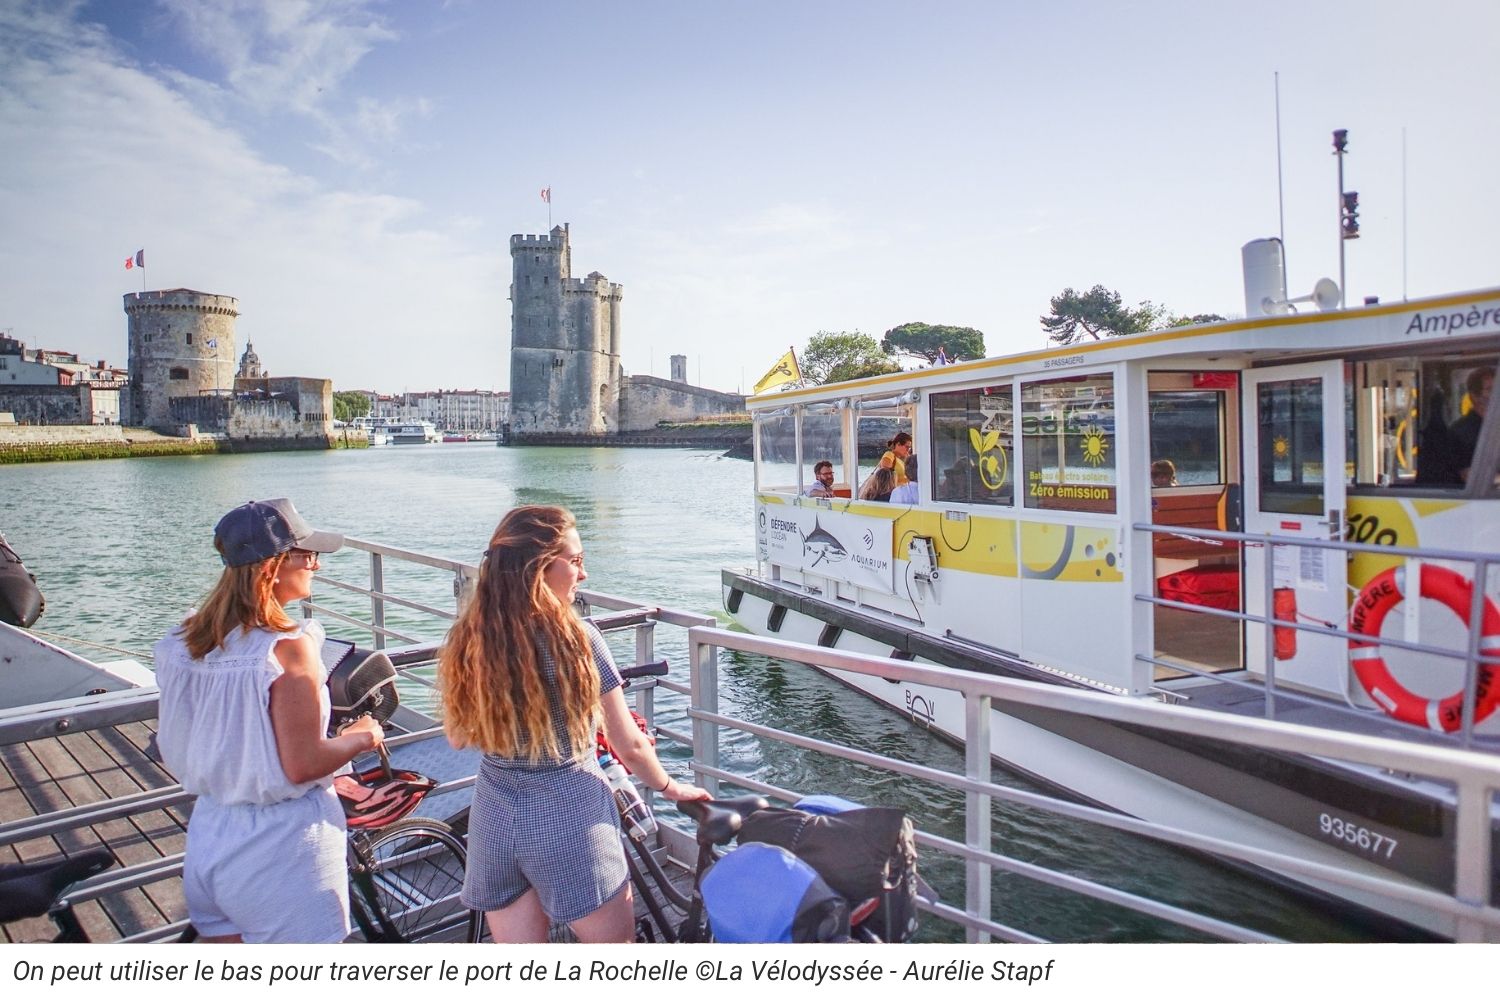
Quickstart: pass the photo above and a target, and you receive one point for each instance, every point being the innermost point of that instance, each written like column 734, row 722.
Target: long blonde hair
column 489, row 669
column 243, row 599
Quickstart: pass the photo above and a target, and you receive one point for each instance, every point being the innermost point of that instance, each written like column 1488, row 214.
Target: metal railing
column 1475, row 777
column 1473, row 655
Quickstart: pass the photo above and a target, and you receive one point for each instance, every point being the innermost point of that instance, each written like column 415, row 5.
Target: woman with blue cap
column 243, row 724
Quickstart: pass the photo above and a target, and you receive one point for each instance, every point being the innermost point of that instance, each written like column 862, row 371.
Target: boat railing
column 1472, row 656
column 1474, row 777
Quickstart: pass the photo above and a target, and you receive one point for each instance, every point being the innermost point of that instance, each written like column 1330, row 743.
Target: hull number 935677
column 1361, row 837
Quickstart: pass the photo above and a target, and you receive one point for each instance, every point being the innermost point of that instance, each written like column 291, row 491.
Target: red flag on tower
column 547, row 195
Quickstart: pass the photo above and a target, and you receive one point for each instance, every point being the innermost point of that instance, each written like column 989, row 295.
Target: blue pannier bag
column 761, row 893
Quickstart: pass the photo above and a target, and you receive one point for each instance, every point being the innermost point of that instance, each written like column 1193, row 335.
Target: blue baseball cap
column 261, row 529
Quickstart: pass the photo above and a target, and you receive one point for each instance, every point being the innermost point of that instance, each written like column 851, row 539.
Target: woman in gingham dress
column 526, row 681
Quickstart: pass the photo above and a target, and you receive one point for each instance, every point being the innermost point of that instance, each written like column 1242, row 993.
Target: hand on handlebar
column 677, row 791
column 365, row 724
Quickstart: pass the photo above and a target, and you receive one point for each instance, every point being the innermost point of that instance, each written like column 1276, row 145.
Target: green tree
column 1099, row 313
column 922, row 340
column 1195, row 319
column 839, row 357
column 348, row 405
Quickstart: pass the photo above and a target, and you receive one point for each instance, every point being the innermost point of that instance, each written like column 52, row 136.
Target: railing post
column 1269, row 635
column 377, row 602
column 1471, row 854
column 704, row 697
column 977, row 880
column 1471, row 660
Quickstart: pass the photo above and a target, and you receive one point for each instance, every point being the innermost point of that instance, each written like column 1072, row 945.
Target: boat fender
column 1383, row 593
column 21, row 601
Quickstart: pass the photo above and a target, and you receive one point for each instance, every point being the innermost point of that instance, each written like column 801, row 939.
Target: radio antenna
column 1280, row 198
column 1403, row 213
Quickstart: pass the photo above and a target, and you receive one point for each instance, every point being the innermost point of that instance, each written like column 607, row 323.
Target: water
column 123, row 549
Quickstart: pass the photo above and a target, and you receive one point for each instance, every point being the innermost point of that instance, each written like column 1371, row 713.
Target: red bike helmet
column 380, row 795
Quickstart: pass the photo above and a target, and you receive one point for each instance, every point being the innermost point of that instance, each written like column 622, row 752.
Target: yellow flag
column 783, row 371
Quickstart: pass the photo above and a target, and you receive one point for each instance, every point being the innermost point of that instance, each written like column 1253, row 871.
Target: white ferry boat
column 413, row 432
column 375, row 429
column 1321, row 484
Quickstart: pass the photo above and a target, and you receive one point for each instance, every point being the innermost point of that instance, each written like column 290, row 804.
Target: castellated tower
column 564, row 342
column 181, row 344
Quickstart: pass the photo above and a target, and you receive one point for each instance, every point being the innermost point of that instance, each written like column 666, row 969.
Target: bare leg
column 522, row 922
column 612, row 923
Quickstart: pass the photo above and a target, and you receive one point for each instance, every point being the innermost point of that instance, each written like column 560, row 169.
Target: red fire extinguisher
column 1285, row 610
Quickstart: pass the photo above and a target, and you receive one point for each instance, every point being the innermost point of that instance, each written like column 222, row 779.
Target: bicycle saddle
column 29, row 889
column 720, row 819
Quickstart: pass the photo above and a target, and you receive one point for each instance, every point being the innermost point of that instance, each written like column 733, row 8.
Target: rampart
column 646, row 401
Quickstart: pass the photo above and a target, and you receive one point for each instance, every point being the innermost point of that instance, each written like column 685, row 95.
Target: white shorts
column 271, row 874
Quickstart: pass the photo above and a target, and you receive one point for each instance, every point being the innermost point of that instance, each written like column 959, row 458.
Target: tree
column 922, row 340
column 1195, row 319
column 839, row 357
column 348, row 405
column 1098, row 313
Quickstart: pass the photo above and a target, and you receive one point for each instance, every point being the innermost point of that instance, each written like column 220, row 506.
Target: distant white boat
column 375, row 429
column 413, row 432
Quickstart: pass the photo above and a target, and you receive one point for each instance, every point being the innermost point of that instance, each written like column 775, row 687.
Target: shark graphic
column 824, row 546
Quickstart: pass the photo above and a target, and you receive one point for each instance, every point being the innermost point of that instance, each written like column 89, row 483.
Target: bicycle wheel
column 406, row 879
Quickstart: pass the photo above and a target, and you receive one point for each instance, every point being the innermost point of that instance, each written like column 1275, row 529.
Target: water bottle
column 634, row 816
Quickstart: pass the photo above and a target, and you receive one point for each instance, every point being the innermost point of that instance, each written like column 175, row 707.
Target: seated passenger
column 905, row 493
column 1163, row 473
column 822, row 485
column 878, row 486
column 1463, row 433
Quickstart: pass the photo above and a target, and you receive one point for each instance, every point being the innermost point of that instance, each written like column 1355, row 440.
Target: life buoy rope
column 1383, row 593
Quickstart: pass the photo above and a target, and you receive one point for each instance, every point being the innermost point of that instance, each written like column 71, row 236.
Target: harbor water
column 123, row 549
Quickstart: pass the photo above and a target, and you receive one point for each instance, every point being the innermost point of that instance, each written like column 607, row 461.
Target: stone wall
column 46, row 404
column 646, row 401
column 54, row 444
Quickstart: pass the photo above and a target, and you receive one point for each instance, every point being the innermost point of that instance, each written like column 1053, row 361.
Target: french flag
column 139, row 260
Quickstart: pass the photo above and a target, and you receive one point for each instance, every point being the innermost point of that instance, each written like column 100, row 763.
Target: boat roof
column 1370, row 324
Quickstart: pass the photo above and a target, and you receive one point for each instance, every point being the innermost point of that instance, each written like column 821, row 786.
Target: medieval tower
column 181, row 344
column 564, row 343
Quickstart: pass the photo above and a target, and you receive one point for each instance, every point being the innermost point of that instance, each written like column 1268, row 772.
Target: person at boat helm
column 524, row 680
column 1463, row 433
column 823, row 484
column 1163, row 473
column 898, row 449
column 243, row 725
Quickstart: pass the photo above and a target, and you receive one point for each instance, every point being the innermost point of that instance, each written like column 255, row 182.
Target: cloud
column 104, row 157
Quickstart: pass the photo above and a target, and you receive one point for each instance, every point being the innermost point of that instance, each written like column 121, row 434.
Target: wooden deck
column 88, row 768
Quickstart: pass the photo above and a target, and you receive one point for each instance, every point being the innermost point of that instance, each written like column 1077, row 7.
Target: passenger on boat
column 243, row 725
column 1463, row 433
column 823, row 486
column 1163, row 473
column 898, row 450
column 878, row 486
column 524, row 680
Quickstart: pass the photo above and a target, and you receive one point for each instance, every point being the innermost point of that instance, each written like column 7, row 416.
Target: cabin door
column 1293, row 420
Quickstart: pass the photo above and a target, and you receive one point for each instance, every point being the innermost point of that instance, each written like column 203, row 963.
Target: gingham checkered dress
column 551, row 826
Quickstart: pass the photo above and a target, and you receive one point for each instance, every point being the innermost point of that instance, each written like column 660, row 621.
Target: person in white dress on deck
column 243, row 724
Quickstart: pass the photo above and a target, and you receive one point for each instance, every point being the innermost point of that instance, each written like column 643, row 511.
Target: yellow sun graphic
column 1095, row 444
column 1281, row 447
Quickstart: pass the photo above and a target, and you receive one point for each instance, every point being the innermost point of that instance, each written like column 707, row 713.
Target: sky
column 752, row 173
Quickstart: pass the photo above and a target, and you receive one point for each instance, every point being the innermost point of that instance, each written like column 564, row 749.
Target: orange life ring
column 1383, row 593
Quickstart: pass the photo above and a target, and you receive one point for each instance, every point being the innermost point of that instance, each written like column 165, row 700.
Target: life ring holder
column 1383, row 593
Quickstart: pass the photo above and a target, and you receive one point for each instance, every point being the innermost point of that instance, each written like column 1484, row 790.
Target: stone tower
column 250, row 364
column 679, row 368
column 181, row 344
column 564, row 342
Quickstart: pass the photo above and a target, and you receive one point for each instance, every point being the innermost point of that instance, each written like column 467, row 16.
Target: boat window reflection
column 973, row 441
column 1068, row 443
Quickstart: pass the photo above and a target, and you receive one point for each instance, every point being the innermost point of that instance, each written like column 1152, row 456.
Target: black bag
column 868, row 853
column 360, row 682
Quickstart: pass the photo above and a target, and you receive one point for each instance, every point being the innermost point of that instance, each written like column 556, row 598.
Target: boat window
column 877, row 428
column 1068, row 443
column 973, row 440
column 1187, row 431
column 777, row 468
column 1413, row 421
column 1291, row 446
column 823, row 441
